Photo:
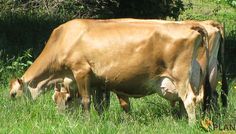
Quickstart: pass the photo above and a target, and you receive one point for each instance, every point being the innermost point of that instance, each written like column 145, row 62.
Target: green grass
column 150, row 114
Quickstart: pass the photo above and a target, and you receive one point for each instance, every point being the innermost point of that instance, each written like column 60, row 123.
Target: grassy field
column 150, row 114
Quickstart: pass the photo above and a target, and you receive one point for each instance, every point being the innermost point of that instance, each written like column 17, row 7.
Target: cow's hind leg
column 124, row 102
column 213, row 83
column 106, row 96
column 190, row 106
column 182, row 109
column 101, row 100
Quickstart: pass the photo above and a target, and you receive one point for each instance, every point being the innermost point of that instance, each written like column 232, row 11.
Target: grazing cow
column 216, row 41
column 61, row 97
column 132, row 59
column 67, row 92
column 64, row 94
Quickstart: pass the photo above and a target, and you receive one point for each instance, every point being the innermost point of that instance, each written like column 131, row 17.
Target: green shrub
column 15, row 66
column 230, row 2
column 19, row 64
column 28, row 24
column 95, row 8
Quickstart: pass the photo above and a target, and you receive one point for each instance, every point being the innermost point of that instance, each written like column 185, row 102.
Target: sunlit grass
column 150, row 114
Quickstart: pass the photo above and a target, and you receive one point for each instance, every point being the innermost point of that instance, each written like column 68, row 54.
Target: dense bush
column 28, row 23
column 96, row 8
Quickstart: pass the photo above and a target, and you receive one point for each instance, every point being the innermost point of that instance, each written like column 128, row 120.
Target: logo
column 209, row 125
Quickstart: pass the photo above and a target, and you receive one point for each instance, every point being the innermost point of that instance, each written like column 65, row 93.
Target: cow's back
column 128, row 55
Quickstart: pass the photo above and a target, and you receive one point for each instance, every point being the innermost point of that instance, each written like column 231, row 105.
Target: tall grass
column 150, row 114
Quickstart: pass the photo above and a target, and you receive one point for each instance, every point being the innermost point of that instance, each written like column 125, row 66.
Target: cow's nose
column 13, row 95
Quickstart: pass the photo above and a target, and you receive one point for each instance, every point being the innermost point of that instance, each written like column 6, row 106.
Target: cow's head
column 61, row 97
column 16, row 88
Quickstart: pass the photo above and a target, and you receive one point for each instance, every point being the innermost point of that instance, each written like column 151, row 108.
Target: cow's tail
column 207, row 87
column 224, row 86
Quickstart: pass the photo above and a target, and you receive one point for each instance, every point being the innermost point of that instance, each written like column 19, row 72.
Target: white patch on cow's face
column 60, row 98
column 64, row 90
column 35, row 92
column 16, row 88
column 67, row 81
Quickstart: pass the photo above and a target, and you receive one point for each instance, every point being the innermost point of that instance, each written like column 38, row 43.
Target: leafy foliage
column 137, row 8
column 230, row 2
column 15, row 65
column 95, row 8
column 20, row 63
column 27, row 24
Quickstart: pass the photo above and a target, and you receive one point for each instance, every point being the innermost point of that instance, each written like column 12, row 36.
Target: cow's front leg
column 82, row 80
column 84, row 93
column 124, row 102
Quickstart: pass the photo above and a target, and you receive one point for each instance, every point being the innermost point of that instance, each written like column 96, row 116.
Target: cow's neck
column 40, row 73
column 34, row 86
column 44, row 64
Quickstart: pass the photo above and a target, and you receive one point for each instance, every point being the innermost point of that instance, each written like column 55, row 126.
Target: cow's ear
column 20, row 81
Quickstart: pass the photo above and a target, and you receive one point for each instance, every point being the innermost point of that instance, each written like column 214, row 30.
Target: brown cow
column 133, row 59
column 216, row 41
column 61, row 97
